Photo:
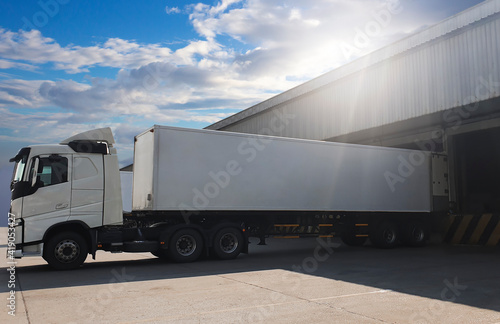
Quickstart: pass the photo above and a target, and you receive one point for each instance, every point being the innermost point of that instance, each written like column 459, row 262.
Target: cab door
column 87, row 197
column 50, row 201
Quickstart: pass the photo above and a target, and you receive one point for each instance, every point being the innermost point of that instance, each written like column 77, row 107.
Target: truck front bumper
column 26, row 251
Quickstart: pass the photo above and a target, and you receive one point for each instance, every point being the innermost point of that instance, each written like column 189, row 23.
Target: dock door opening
column 477, row 171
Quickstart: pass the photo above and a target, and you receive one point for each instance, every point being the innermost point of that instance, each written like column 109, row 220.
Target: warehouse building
column 437, row 90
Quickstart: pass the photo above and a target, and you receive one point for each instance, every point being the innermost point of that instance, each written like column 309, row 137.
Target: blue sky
column 68, row 66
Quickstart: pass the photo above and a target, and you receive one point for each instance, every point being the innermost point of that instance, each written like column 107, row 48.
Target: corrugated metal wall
column 448, row 65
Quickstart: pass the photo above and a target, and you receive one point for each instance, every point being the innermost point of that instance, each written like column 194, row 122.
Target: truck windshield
column 21, row 158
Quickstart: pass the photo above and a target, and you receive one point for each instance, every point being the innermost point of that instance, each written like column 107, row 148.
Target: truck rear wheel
column 186, row 245
column 65, row 251
column 415, row 234
column 228, row 243
column 385, row 236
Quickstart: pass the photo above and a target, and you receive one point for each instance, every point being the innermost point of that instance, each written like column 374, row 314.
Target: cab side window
column 52, row 170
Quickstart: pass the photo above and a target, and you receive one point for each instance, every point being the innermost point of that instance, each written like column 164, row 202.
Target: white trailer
column 186, row 169
column 201, row 191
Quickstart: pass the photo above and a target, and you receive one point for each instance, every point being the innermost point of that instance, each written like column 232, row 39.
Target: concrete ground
column 287, row 281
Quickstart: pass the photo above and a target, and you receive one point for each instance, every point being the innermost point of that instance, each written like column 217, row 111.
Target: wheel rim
column 228, row 243
column 67, row 251
column 418, row 234
column 389, row 236
column 186, row 245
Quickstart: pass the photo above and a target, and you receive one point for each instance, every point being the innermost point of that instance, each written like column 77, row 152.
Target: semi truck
column 203, row 192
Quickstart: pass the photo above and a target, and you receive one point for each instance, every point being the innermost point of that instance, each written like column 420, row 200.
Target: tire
column 415, row 234
column 228, row 243
column 385, row 236
column 65, row 251
column 351, row 240
column 186, row 245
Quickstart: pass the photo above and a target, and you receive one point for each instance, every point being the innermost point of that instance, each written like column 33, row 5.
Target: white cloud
column 33, row 47
column 206, row 49
column 297, row 39
column 23, row 93
column 172, row 10
column 27, row 126
column 6, row 64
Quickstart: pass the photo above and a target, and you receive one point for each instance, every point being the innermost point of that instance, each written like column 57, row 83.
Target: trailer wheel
column 186, row 245
column 351, row 240
column 65, row 251
column 415, row 234
column 385, row 236
column 228, row 243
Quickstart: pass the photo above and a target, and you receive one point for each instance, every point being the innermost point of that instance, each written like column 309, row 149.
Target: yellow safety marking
column 449, row 222
column 361, row 225
column 286, row 225
column 361, row 235
column 325, row 224
column 483, row 222
column 323, row 236
column 495, row 236
column 287, row 237
column 461, row 229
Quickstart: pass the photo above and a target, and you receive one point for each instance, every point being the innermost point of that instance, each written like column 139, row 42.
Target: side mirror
column 35, row 172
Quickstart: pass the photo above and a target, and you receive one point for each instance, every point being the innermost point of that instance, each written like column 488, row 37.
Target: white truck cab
column 74, row 185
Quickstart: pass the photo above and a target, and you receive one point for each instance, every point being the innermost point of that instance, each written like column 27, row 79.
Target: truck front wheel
column 65, row 251
column 228, row 243
column 186, row 245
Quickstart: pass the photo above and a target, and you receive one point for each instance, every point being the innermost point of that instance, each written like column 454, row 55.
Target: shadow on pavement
column 460, row 274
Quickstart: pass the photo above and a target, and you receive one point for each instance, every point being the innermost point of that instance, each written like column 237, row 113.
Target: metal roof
column 451, row 64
